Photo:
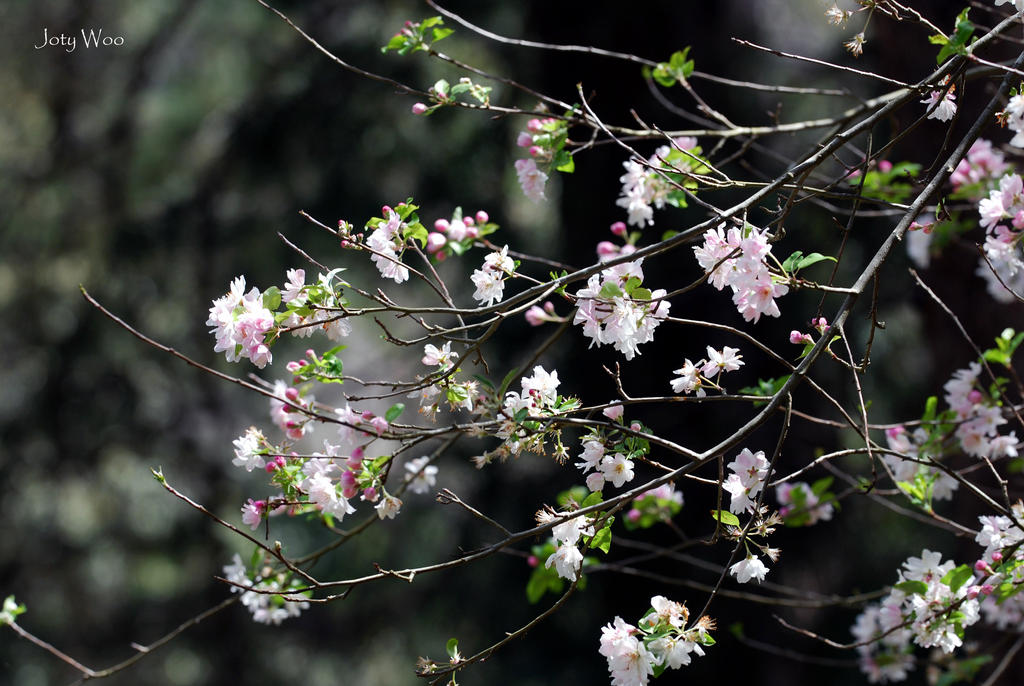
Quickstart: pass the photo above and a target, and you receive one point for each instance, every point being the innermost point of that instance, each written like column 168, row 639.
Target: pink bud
column 367, row 415
column 535, row 150
column 997, row 556
column 353, row 462
column 627, row 249
column 380, row 424
column 441, row 256
column 419, row 108
column 981, row 566
column 468, row 221
column 975, row 396
column 894, row 431
column 619, row 228
column 280, row 461
column 270, row 467
column 973, row 592
column 549, row 307
column 636, row 426
column 348, row 478
column 532, row 561
column 482, row 217
column 294, row 366
column 292, row 394
column 607, row 249
column 384, row 210
column 260, row 505
column 310, row 353
column 441, row 225
column 885, row 166
column 634, row 515
column 370, row 494
column 799, row 338
column 358, row 452
column 472, row 232
column 535, row 316
column 435, row 241
column 987, row 589
column 524, row 140
column 614, row 411
column 534, row 125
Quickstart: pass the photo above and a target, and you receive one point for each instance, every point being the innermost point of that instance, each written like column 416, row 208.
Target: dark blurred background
column 155, row 171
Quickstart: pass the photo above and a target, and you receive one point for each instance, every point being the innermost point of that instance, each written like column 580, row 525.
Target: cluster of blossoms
column 934, row 599
column 245, row 324
column 1003, row 243
column 694, row 377
column 656, row 505
column 490, row 279
column 567, row 558
column 456, row 236
column 981, row 168
column 656, row 181
column 737, row 258
column 1002, row 565
column 749, row 471
column 615, row 309
column 266, row 608
column 544, row 140
column 979, row 416
column 458, row 394
column 387, row 241
column 241, row 324
column 609, row 458
column 518, row 429
column 800, row 499
column 973, row 419
column 661, row 640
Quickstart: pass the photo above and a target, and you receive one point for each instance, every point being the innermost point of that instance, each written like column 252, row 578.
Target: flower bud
column 482, row 217
column 619, row 228
column 419, row 108
column 441, row 225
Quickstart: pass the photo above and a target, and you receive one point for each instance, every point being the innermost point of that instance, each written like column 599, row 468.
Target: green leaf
column 592, row 499
column 955, row 578
column 821, row 485
column 563, row 162
column 930, row 406
column 724, row 517
column 272, row 298
column 610, row 290
column 912, row 587
column 603, row 539
column 441, row 34
column 416, row 232
column 394, row 412
column 507, row 381
column 957, row 43
column 813, row 258
column 669, row 234
column 938, row 39
column 452, row 647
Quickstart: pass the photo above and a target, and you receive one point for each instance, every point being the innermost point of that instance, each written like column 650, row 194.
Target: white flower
column 248, row 448
column 567, row 560
column 750, row 568
column 388, row 506
column 420, row 475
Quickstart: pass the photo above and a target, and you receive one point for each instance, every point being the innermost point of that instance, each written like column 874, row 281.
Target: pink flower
column 531, row 179
column 614, row 411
